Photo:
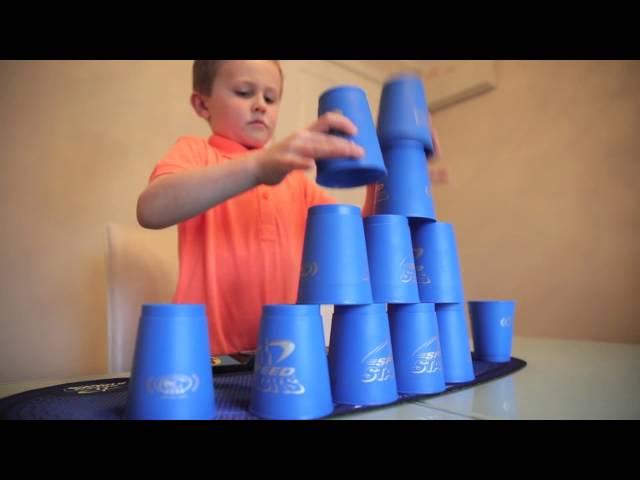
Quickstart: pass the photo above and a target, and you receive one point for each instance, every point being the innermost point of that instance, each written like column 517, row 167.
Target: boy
column 241, row 206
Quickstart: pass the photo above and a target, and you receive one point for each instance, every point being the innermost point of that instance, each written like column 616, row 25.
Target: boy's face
column 244, row 101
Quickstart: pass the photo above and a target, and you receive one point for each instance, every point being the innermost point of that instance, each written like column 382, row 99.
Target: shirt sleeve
column 186, row 154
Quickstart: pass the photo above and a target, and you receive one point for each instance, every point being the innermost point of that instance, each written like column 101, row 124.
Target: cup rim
column 334, row 208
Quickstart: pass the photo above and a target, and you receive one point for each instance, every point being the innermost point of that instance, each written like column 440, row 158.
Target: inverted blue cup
column 406, row 189
column 437, row 264
column 351, row 101
column 171, row 375
column 361, row 357
column 404, row 112
column 335, row 269
column 291, row 372
column 454, row 342
column 416, row 348
column 391, row 265
column 492, row 329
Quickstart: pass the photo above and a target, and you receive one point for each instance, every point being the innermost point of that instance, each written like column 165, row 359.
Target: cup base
column 369, row 403
column 268, row 416
column 493, row 358
column 349, row 177
column 418, row 391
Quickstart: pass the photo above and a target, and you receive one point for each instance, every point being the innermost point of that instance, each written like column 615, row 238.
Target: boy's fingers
column 334, row 121
column 320, row 145
column 298, row 162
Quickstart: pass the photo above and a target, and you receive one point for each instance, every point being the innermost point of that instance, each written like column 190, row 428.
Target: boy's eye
column 269, row 99
column 243, row 93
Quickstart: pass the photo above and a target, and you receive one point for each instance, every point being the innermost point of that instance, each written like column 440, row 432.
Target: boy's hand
column 300, row 150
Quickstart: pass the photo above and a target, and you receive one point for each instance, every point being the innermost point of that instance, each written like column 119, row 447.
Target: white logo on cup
column 309, row 269
column 377, row 369
column 173, row 385
column 426, row 360
column 421, row 275
column 409, row 273
column 505, row 322
column 272, row 378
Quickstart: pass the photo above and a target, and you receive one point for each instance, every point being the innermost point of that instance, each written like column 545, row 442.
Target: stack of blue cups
column 440, row 282
column 337, row 269
column 405, row 138
column 394, row 279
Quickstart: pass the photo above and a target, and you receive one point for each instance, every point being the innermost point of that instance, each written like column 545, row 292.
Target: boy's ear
column 199, row 104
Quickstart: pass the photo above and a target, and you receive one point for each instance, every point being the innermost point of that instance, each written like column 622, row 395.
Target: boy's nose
column 259, row 106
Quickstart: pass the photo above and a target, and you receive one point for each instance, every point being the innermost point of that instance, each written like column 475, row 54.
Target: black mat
column 106, row 399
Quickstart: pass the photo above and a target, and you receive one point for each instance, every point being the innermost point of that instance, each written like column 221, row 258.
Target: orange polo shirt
column 243, row 253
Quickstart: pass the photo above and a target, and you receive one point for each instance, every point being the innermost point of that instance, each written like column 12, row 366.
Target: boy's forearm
column 177, row 197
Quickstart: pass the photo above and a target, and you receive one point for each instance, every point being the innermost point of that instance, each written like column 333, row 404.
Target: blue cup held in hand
column 351, row 102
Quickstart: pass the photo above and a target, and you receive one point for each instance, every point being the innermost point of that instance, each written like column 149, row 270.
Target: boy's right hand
column 300, row 150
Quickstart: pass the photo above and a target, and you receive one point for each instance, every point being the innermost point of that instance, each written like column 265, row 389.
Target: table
column 563, row 379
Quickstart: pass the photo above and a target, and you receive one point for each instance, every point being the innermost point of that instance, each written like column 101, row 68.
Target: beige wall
column 543, row 195
column 77, row 143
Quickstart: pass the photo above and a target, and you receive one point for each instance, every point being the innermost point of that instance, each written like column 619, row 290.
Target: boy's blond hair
column 204, row 74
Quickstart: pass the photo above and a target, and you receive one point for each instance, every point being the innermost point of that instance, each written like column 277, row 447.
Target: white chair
column 142, row 267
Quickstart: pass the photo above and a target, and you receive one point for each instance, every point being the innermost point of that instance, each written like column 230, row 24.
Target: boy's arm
column 174, row 198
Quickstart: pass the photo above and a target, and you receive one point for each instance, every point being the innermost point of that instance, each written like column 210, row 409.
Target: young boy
column 240, row 205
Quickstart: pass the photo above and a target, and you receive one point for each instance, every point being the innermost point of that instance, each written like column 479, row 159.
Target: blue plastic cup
column 406, row 189
column 454, row 342
column 171, row 375
column 416, row 349
column 351, row 102
column 335, row 269
column 492, row 329
column 404, row 112
column 291, row 372
column 391, row 264
column 361, row 356
column 437, row 264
